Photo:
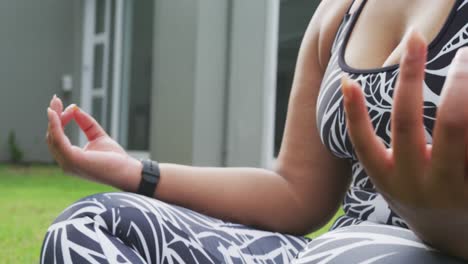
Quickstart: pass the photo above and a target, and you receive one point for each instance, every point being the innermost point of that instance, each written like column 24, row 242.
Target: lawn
column 30, row 199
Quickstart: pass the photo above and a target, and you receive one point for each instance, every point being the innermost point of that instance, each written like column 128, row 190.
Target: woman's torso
column 362, row 201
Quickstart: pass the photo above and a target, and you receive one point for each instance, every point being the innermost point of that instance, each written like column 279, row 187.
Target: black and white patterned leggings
column 128, row 228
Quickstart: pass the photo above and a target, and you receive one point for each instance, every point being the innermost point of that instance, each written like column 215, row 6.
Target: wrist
column 132, row 181
column 150, row 176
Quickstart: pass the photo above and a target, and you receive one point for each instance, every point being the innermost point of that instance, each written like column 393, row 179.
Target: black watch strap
column 149, row 178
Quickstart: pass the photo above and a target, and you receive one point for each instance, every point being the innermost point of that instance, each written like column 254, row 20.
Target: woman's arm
column 308, row 184
column 300, row 195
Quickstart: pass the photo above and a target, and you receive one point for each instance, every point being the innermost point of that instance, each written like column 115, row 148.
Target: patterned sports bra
column 362, row 201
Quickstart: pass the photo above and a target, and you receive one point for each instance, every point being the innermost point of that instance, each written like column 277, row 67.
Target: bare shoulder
column 326, row 22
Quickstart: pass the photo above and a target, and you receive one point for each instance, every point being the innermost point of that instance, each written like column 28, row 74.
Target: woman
column 326, row 156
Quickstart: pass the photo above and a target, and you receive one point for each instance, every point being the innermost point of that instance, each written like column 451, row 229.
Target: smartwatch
column 149, row 178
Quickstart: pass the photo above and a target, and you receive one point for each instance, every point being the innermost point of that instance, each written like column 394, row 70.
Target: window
column 294, row 18
column 117, row 68
column 137, row 84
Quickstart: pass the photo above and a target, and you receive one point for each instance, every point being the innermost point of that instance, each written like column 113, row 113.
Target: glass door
column 96, row 51
column 117, row 68
column 295, row 15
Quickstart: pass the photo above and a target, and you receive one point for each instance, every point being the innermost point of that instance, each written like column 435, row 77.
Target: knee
column 103, row 203
column 92, row 219
column 87, row 207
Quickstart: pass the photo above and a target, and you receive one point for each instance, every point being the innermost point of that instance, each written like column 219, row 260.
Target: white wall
column 36, row 49
column 189, row 81
column 214, row 82
column 211, row 72
column 252, row 82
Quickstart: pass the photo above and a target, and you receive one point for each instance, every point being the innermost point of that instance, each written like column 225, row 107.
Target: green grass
column 31, row 198
column 325, row 228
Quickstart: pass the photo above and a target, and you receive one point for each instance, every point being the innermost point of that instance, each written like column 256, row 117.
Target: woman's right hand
column 425, row 184
column 102, row 159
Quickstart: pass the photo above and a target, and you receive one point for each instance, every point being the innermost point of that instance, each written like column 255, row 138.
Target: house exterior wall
column 173, row 78
column 189, row 80
column 213, row 82
column 213, row 77
column 252, row 78
column 37, row 48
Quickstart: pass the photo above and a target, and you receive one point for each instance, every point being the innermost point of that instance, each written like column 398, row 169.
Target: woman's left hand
column 425, row 184
column 102, row 159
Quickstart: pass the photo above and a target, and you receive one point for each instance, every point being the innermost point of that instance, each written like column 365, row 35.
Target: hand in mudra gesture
column 425, row 184
column 102, row 159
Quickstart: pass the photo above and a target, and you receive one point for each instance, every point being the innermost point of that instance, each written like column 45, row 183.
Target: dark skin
column 306, row 187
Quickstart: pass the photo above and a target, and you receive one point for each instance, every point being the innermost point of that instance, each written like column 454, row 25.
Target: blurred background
column 202, row 82
column 198, row 82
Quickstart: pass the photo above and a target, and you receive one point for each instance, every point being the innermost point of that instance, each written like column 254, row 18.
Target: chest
column 382, row 26
column 378, row 86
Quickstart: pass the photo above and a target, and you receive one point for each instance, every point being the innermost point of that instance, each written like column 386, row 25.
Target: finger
column 408, row 137
column 89, row 125
column 369, row 149
column 59, row 143
column 67, row 114
column 56, row 104
column 451, row 126
column 49, row 140
column 54, row 152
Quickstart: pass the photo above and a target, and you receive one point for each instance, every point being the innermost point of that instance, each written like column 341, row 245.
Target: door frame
column 90, row 40
column 121, row 43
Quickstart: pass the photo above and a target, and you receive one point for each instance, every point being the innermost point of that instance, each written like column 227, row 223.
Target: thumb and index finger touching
column 86, row 122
